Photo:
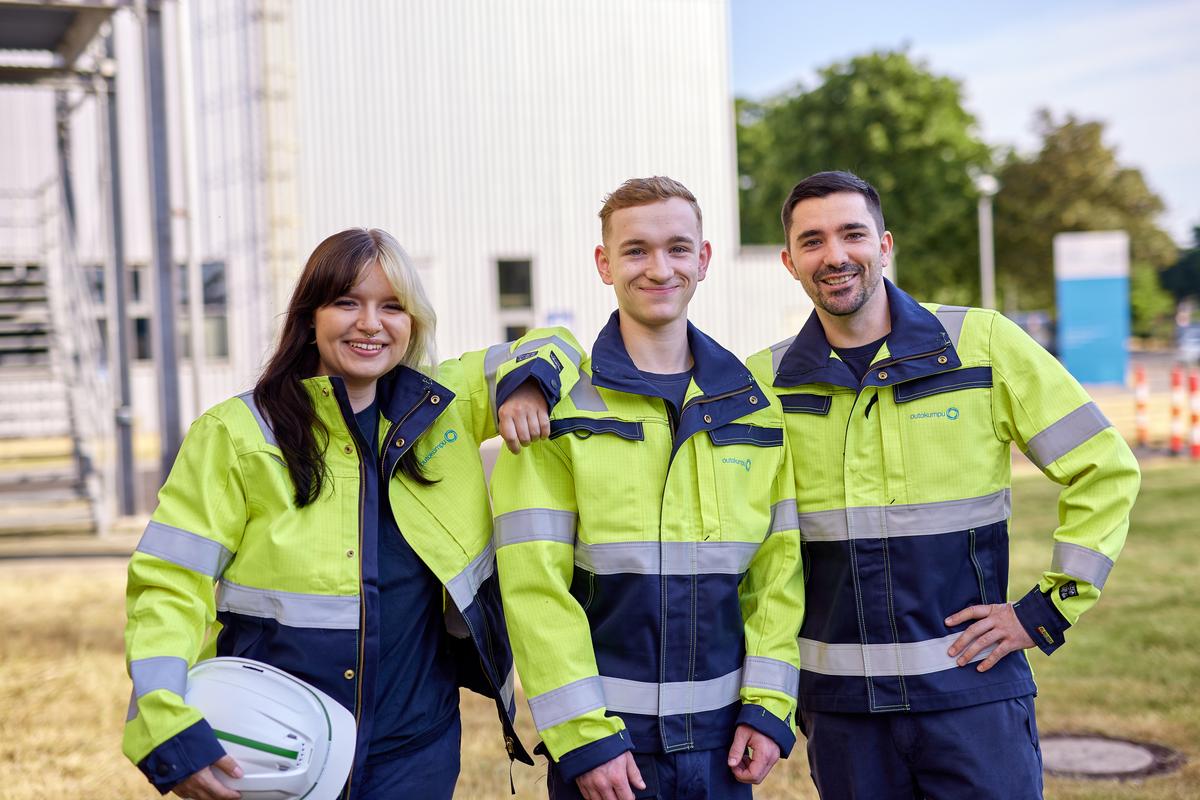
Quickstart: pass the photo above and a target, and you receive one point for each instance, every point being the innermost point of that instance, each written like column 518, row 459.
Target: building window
column 216, row 327
column 515, row 279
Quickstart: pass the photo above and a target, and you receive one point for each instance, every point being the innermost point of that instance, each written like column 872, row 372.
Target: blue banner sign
column 1091, row 281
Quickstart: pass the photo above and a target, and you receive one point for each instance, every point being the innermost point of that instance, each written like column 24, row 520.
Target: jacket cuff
column 768, row 724
column 188, row 751
column 1041, row 620
column 541, row 371
column 575, row 762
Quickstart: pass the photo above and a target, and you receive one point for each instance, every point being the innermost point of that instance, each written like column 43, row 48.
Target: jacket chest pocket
column 946, row 430
column 617, row 465
column 745, row 460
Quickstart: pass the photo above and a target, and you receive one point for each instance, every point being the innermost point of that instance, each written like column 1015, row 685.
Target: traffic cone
column 1177, row 410
column 1141, row 394
column 1194, row 391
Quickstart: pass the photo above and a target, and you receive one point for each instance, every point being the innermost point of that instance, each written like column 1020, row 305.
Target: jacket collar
column 402, row 394
column 914, row 345
column 715, row 370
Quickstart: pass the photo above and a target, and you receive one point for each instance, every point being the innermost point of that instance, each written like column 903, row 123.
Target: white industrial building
column 483, row 134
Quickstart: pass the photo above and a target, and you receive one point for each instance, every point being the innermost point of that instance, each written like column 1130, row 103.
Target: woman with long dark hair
column 340, row 511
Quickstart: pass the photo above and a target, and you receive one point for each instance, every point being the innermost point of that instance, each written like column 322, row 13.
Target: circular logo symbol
column 452, row 435
column 952, row 413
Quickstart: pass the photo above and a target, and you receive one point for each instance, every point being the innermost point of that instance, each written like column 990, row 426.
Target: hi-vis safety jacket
column 902, row 486
column 650, row 568
column 298, row 587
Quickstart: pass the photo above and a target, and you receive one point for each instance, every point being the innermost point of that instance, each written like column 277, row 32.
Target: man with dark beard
column 901, row 416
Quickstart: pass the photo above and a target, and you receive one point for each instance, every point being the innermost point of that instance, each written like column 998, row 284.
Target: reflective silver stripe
column 1063, row 436
column 158, row 672
column 905, row 658
column 584, row 395
column 132, row 711
column 665, row 558
column 496, row 355
column 778, row 351
column 570, row 352
column 917, row 519
column 535, row 525
column 771, row 673
column 335, row 612
column 268, row 434
column 507, row 692
column 463, row 586
column 566, row 702
column 952, row 318
column 784, row 516
column 185, row 549
column 1082, row 563
column 666, row 699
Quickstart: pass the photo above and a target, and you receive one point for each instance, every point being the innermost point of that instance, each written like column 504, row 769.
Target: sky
column 1133, row 65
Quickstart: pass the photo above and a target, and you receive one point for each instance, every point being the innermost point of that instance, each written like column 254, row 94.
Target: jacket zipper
column 394, row 431
column 894, row 361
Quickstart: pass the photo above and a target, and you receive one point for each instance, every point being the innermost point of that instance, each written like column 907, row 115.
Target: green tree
column 1183, row 279
column 891, row 121
column 1075, row 183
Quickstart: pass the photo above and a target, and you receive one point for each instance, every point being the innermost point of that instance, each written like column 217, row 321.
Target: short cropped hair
column 823, row 184
column 644, row 191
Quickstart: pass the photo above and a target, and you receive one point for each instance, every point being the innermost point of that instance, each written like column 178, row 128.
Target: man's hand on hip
column 998, row 625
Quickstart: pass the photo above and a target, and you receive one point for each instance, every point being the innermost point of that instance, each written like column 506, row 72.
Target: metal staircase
column 55, row 418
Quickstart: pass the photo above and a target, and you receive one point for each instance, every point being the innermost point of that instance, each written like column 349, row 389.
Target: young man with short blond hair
column 648, row 553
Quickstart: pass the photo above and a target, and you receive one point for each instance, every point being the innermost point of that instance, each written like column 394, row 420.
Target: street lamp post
column 987, row 186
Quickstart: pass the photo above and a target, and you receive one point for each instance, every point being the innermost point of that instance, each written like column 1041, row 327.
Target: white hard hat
column 290, row 739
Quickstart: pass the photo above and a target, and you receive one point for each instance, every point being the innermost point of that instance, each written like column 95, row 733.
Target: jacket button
column 942, row 359
column 435, row 399
column 349, row 449
column 349, row 554
column 400, row 442
column 163, row 769
column 349, row 674
column 707, row 419
column 753, row 400
column 882, row 375
column 325, row 391
column 508, row 744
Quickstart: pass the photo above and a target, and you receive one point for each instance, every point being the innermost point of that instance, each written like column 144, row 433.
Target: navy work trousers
column 428, row 773
column 984, row 751
column 688, row 775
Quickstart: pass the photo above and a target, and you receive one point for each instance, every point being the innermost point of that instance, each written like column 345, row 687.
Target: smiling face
column 653, row 256
column 363, row 333
column 837, row 252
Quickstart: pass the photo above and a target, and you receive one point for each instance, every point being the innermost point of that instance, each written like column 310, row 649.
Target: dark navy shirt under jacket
column 859, row 359
column 416, row 690
column 671, row 387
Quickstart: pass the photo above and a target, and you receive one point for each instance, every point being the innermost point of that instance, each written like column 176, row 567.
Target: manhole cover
column 1090, row 755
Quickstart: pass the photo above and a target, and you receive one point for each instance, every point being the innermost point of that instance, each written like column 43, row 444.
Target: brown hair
column 823, row 184
column 644, row 191
column 331, row 271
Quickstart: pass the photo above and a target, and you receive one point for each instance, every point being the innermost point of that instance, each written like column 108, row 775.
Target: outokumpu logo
column 950, row 413
column 449, row 437
column 741, row 462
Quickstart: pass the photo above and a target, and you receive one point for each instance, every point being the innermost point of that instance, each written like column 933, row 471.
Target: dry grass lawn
column 1132, row 669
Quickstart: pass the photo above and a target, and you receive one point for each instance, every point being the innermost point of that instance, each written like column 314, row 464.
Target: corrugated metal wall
column 476, row 130
column 473, row 130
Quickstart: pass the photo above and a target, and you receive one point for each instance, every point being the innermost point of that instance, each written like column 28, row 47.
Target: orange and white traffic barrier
column 1194, row 391
column 1177, row 410
column 1141, row 394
